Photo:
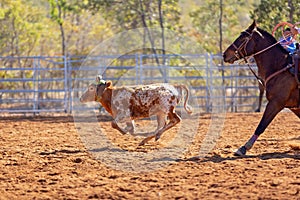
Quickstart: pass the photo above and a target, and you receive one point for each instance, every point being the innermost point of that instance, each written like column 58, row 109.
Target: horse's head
column 243, row 46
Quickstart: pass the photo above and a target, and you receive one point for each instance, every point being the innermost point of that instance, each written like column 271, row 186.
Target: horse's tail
column 180, row 89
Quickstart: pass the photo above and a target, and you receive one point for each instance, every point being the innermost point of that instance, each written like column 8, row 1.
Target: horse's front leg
column 272, row 109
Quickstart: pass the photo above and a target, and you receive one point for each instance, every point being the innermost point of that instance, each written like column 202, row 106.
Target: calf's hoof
column 157, row 136
column 141, row 143
column 144, row 141
column 241, row 151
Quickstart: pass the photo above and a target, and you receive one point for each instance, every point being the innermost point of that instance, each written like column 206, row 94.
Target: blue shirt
column 287, row 44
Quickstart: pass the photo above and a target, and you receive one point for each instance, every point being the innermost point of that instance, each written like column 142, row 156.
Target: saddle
column 295, row 69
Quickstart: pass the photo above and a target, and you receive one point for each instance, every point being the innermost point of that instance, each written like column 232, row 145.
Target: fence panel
column 33, row 84
column 51, row 84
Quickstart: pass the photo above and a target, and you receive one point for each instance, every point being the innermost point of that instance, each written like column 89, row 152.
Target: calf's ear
column 108, row 83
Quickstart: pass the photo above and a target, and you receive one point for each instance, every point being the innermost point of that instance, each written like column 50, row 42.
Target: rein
column 276, row 73
column 261, row 81
column 244, row 45
column 265, row 49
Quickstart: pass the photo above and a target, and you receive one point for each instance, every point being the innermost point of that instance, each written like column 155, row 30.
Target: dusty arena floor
column 45, row 158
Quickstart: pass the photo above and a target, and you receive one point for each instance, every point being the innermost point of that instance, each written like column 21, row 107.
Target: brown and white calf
column 128, row 103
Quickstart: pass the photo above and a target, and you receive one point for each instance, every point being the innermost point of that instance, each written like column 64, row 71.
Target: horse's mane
column 272, row 39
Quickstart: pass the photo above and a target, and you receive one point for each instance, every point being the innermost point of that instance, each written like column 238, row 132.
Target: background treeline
column 75, row 27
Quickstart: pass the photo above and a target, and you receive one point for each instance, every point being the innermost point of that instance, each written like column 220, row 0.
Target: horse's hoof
column 241, row 151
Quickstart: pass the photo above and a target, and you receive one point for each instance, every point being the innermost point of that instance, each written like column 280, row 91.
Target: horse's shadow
column 264, row 156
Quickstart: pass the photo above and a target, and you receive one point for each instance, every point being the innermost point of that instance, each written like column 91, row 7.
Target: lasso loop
column 294, row 31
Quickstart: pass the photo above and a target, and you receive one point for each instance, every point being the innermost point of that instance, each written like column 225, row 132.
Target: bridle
column 238, row 50
column 239, row 55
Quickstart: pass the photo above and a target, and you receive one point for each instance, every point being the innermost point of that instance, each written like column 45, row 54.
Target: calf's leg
column 161, row 122
column 130, row 127
column 115, row 126
column 174, row 119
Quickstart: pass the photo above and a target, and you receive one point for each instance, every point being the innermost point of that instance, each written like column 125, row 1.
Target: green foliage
column 4, row 85
column 77, row 27
column 125, row 15
column 205, row 21
column 20, row 27
column 33, row 27
column 270, row 13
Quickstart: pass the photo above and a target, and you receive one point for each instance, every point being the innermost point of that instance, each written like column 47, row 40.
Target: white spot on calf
column 120, row 104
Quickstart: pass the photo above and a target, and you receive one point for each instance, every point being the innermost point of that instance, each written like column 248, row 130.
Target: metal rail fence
column 50, row 84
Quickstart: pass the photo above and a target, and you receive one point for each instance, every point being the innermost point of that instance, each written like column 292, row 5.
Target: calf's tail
column 187, row 107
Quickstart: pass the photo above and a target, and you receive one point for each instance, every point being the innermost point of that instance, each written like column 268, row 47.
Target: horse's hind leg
column 272, row 109
column 296, row 111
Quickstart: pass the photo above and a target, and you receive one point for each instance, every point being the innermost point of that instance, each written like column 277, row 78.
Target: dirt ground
column 45, row 158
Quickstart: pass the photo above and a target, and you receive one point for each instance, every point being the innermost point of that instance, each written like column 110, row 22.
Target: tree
column 132, row 14
column 277, row 11
column 21, row 28
column 79, row 28
column 20, row 35
column 220, row 26
column 59, row 9
column 217, row 23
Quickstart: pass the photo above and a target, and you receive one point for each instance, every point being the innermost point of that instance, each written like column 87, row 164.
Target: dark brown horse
column 273, row 63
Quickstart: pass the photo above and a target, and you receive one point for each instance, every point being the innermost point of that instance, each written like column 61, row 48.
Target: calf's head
column 95, row 90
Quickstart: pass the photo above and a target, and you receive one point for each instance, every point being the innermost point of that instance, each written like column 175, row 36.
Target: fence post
column 36, row 84
column 166, row 68
column 70, row 85
column 140, row 66
column 207, row 102
column 66, row 90
column 137, row 71
column 235, row 89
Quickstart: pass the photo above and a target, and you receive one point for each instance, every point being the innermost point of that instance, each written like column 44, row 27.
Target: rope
column 261, row 81
column 276, row 73
column 253, row 72
column 261, row 51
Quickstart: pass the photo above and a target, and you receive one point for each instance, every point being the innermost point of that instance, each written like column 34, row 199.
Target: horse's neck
column 270, row 62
